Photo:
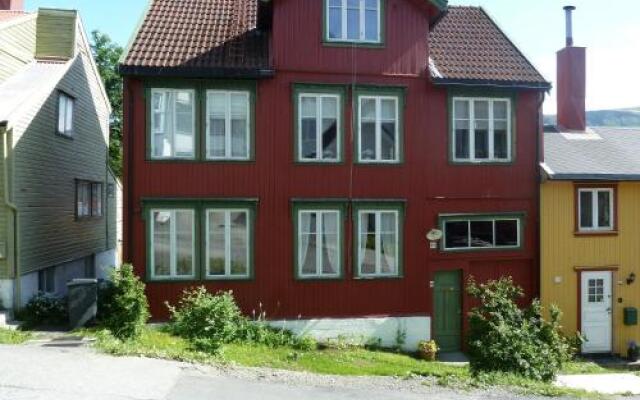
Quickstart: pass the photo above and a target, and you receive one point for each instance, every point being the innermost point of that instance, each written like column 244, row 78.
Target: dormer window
column 354, row 21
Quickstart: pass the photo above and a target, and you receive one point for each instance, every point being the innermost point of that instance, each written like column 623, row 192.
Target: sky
column 610, row 30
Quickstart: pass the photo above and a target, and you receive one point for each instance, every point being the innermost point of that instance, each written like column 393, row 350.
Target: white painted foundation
column 362, row 330
column 6, row 294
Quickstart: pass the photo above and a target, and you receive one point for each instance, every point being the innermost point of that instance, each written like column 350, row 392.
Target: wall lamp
column 631, row 278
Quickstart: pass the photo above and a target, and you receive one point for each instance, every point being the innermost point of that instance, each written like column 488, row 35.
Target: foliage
column 44, row 309
column 107, row 55
column 505, row 338
column 428, row 349
column 10, row 336
column 125, row 309
column 208, row 321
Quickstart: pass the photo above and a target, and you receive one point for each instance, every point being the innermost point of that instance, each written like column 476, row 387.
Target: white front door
column 596, row 311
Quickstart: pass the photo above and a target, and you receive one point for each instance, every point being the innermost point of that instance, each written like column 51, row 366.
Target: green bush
column 44, row 309
column 125, row 309
column 208, row 321
column 505, row 338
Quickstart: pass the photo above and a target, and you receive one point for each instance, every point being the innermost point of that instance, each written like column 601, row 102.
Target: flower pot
column 633, row 354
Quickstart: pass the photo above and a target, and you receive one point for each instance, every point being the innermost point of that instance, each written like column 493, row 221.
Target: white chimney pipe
column 569, row 24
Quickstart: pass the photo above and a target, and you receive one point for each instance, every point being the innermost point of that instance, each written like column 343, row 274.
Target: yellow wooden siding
column 562, row 252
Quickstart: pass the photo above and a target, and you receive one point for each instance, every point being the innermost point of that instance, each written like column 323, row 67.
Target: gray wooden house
column 58, row 197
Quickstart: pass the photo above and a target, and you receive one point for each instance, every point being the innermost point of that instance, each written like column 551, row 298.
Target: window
column 480, row 232
column 228, row 120
column 596, row 291
column 595, row 209
column 47, row 280
column 319, row 127
column 356, row 21
column 319, row 238
column 172, row 123
column 65, row 114
column 481, row 130
column 172, row 247
column 228, row 243
column 378, row 242
column 88, row 199
column 378, row 129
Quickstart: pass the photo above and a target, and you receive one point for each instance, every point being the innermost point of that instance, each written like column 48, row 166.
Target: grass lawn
column 352, row 361
column 8, row 336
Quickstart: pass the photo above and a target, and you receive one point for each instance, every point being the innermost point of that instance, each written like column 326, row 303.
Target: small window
column 596, row 291
column 172, row 123
column 172, row 249
column 228, row 243
column 88, row 199
column 378, row 129
column 319, row 127
column 357, row 21
column 66, row 105
column 228, row 125
column 47, row 280
column 596, row 209
column 481, row 130
column 481, row 232
column 319, row 241
column 378, row 243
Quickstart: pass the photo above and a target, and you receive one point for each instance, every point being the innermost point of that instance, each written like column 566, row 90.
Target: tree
column 107, row 55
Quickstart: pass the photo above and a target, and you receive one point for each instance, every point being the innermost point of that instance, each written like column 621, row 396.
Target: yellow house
column 590, row 234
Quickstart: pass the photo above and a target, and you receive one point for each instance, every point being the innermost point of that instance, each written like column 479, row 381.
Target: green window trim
column 379, row 44
column 200, row 127
column 200, row 207
column 464, row 217
column 341, row 206
column 379, row 91
column 375, row 206
column 319, row 89
column 483, row 93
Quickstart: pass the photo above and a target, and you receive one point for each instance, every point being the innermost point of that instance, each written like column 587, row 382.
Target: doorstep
column 454, row 358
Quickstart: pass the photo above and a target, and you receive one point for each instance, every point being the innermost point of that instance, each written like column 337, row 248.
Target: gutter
column 491, row 83
column 14, row 210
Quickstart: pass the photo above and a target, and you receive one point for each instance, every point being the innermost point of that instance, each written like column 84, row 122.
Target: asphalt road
column 46, row 373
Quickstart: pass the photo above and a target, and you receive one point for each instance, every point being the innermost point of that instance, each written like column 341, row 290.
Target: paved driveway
column 39, row 373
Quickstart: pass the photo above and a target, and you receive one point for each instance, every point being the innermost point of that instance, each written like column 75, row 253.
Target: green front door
column 447, row 310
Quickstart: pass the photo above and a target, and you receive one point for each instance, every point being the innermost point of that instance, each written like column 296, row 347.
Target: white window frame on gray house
column 172, row 244
column 234, row 140
column 597, row 208
column 472, row 124
column 66, row 108
column 353, row 21
column 168, row 139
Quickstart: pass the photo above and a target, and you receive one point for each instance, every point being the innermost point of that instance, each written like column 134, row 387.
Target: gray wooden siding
column 46, row 167
column 4, row 265
column 17, row 46
column 56, row 33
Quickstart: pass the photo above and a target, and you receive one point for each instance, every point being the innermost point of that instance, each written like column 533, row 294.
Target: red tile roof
column 9, row 15
column 199, row 34
column 467, row 45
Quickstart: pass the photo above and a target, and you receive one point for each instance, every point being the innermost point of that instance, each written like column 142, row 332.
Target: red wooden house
column 298, row 152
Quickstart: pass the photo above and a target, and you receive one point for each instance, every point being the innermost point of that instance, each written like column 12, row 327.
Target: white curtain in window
column 306, row 252
column 330, row 252
column 388, row 239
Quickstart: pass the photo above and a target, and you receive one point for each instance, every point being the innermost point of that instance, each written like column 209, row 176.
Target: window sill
column 477, row 162
column 317, row 278
column 228, row 278
column 68, row 136
column 595, row 233
column 173, row 280
column 377, row 277
column 347, row 43
column 480, row 249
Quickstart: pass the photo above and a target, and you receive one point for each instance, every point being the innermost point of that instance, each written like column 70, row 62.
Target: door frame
column 461, row 275
column 613, row 270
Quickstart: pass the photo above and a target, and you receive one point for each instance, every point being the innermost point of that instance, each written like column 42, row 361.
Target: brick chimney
column 571, row 81
column 13, row 5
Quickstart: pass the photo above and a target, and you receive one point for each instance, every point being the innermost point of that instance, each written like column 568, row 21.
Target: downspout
column 539, row 160
column 14, row 210
column 128, row 257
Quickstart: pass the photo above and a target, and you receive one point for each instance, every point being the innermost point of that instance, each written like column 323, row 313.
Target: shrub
column 206, row 320
column 125, row 309
column 505, row 338
column 44, row 309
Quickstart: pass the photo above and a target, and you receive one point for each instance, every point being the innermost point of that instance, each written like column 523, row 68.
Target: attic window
column 65, row 114
column 355, row 21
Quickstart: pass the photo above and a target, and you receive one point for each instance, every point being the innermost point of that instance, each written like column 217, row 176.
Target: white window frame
column 378, row 159
column 227, row 243
column 88, row 211
column 319, row 154
column 66, row 114
column 490, row 219
column 173, row 133
column 595, row 208
column 472, row 137
column 173, row 252
column 319, row 243
column 378, row 213
column 362, row 28
column 227, row 134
